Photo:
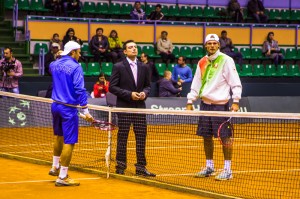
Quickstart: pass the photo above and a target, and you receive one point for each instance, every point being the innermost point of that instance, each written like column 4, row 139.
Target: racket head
column 103, row 126
column 226, row 133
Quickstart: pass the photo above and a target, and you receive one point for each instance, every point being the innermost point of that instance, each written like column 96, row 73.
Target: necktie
column 134, row 71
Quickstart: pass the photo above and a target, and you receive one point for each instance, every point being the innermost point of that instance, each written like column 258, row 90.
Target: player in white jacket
column 215, row 76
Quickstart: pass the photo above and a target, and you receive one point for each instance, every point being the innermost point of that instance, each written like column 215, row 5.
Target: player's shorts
column 208, row 126
column 65, row 122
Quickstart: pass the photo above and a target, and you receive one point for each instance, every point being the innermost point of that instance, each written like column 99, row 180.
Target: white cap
column 211, row 37
column 56, row 45
column 71, row 45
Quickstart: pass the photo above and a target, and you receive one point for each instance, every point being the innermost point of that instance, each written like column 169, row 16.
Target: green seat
column 171, row 67
column 149, row 8
column 238, row 68
column 220, row 12
column 290, row 54
column 246, row 70
column 274, row 14
column 258, row 70
column 197, row 52
column 295, row 15
column 139, row 48
column 115, row 9
column 102, row 8
column 38, row 5
column 23, row 5
column 164, row 10
column 194, row 69
column 185, row 11
column 85, row 51
column 150, row 51
column 88, row 8
column 285, row 14
column 161, row 67
column 106, row 68
column 126, row 9
column 197, row 11
column 294, row 70
column 84, row 68
column 256, row 53
column 282, row 70
column 176, row 51
column 93, row 68
column 173, row 11
column 271, row 70
column 186, row 51
column 246, row 52
column 39, row 46
column 9, row 4
column 209, row 12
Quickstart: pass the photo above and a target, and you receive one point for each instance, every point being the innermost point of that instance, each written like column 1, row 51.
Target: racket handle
column 81, row 115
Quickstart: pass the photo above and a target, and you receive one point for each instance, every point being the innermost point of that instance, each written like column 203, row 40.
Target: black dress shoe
column 120, row 171
column 144, row 172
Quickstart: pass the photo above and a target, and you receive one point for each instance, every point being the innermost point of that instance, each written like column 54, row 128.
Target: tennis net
column 266, row 147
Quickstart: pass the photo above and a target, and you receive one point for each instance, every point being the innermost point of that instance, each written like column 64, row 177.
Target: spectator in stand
column 256, row 10
column 227, row 48
column 55, row 6
column 51, row 56
column 70, row 36
column 115, row 47
column 154, row 75
column 99, row 45
column 72, row 6
column 10, row 72
column 101, row 86
column 55, row 39
column 235, row 11
column 168, row 87
column 181, row 72
column 156, row 15
column 272, row 50
column 165, row 48
column 138, row 13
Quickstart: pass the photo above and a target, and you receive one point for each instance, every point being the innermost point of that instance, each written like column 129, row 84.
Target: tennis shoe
column 224, row 175
column 67, row 181
column 54, row 171
column 206, row 172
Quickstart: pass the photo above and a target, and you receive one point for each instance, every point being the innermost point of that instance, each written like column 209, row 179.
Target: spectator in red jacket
column 101, row 87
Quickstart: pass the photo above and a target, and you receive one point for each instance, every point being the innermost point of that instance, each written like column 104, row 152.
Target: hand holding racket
column 225, row 133
column 99, row 124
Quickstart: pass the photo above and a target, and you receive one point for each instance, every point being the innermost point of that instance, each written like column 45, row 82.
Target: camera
column 7, row 66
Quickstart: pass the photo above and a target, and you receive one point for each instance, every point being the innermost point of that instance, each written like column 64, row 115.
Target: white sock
column 210, row 164
column 56, row 161
column 63, row 172
column 227, row 165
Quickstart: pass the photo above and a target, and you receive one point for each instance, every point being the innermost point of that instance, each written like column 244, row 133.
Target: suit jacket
column 122, row 84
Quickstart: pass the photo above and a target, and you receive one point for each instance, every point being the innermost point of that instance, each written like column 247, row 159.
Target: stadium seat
column 9, row 4
column 274, row 14
column 176, row 51
column 23, row 5
column 85, row 51
column 271, row 70
column 161, row 67
column 88, row 8
column 282, row 70
column 197, row 52
column 258, row 70
column 106, row 68
column 84, row 68
column 294, row 70
column 173, row 11
column 197, row 11
column 209, row 12
column 295, row 15
column 256, row 53
column 238, row 68
column 246, row 70
column 126, row 9
column 115, row 9
column 171, row 66
column 149, row 8
column 164, row 10
column 149, row 50
column 93, row 68
column 38, row 6
column 102, row 8
column 285, row 15
column 38, row 47
column 139, row 48
column 246, row 52
column 185, row 11
column 290, row 54
column 194, row 68
column 185, row 51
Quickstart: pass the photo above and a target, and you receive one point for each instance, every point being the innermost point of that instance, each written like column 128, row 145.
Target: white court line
column 234, row 172
column 37, row 181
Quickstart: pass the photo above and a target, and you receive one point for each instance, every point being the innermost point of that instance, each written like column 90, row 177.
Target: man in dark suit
column 130, row 82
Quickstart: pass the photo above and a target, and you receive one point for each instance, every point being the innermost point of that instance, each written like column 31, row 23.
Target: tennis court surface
column 266, row 147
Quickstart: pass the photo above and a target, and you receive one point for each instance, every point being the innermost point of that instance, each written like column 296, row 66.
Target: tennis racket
column 100, row 124
column 225, row 133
